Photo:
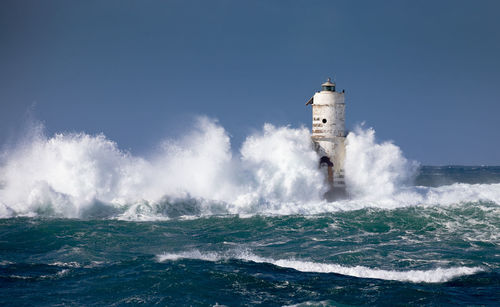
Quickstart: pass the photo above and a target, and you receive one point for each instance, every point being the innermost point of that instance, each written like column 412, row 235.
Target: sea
column 196, row 222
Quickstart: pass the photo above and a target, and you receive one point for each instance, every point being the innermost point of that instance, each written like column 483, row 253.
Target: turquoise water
column 423, row 254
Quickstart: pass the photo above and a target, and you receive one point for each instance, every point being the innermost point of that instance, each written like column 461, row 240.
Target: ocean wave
column 275, row 172
column 438, row 275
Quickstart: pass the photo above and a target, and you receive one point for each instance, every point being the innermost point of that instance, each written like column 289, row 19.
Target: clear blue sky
column 425, row 74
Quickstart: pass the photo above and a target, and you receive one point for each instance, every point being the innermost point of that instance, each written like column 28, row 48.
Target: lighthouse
column 328, row 135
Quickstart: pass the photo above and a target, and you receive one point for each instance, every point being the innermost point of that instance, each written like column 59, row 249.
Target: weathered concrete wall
column 328, row 130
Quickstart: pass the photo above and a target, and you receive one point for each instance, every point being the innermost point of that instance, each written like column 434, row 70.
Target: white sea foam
column 274, row 172
column 193, row 254
column 375, row 170
column 72, row 264
column 325, row 303
column 67, row 174
column 437, row 275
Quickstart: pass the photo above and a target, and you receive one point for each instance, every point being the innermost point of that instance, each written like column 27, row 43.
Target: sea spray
column 275, row 172
column 66, row 174
column 375, row 170
column 282, row 166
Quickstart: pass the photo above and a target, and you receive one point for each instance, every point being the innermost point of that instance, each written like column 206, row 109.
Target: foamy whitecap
column 275, row 172
column 69, row 174
column 437, row 275
column 375, row 170
column 193, row 254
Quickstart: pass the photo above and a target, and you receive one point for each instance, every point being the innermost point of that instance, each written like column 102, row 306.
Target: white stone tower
column 328, row 132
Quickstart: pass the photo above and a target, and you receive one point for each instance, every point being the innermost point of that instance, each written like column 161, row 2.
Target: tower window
column 328, row 88
column 324, row 120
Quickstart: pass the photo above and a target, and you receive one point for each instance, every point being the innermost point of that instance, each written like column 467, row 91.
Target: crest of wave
column 378, row 175
column 280, row 169
column 71, row 174
column 375, row 170
column 63, row 174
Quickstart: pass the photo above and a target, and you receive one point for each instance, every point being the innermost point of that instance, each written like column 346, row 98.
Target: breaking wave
column 275, row 172
column 437, row 275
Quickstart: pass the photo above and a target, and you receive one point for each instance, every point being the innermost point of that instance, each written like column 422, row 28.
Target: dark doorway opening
column 325, row 160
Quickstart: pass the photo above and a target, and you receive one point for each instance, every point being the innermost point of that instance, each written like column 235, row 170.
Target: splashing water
column 375, row 170
column 275, row 172
column 66, row 174
column 278, row 241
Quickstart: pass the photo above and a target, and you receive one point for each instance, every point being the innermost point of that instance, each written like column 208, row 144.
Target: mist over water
column 275, row 171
